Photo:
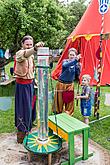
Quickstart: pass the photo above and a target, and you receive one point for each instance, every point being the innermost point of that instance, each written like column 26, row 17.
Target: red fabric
column 33, row 101
column 68, row 96
column 24, row 81
column 90, row 61
column 98, row 53
column 90, row 23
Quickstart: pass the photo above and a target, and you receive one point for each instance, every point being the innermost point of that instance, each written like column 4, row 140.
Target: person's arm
column 77, row 71
column 69, row 63
column 25, row 53
column 83, row 97
column 22, row 54
column 87, row 94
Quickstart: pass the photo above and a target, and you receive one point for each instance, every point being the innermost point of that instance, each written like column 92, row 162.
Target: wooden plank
column 58, row 130
column 71, row 149
column 65, row 163
column 85, row 144
column 65, row 125
column 73, row 124
column 67, row 121
column 61, row 124
column 76, row 121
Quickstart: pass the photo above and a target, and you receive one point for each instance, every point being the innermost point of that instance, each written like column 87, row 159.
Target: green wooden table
column 67, row 127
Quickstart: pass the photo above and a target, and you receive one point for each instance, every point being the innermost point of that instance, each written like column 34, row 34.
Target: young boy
column 85, row 101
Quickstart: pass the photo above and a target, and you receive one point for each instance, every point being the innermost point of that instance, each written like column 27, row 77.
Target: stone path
column 12, row 153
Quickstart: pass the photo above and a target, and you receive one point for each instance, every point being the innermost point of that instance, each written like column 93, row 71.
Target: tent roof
column 89, row 25
column 91, row 22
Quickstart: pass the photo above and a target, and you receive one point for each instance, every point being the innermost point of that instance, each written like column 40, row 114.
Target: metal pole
column 43, row 57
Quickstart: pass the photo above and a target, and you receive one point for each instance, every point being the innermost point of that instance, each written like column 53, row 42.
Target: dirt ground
column 12, row 153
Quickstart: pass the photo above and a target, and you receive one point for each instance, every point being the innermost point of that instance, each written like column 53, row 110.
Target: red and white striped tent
column 86, row 39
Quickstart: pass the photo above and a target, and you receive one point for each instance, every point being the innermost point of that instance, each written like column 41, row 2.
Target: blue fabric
column 2, row 53
column 68, row 71
column 85, row 105
column 24, row 115
column 77, row 70
column 11, row 71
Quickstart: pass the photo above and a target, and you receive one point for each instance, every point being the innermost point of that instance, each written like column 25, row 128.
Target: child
column 85, row 101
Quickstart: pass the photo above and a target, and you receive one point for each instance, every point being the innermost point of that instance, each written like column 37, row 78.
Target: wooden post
column 49, row 159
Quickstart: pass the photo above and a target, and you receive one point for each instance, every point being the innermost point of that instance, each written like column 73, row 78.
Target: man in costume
column 24, row 73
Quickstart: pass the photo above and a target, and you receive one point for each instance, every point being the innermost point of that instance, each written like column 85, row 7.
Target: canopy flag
column 103, row 8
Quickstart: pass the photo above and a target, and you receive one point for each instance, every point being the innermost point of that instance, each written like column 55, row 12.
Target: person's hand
column 77, row 97
column 39, row 44
column 78, row 56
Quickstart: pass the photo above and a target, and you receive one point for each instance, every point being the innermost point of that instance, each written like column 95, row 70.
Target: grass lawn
column 99, row 131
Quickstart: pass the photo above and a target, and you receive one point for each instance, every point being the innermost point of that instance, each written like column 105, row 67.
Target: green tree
column 12, row 16
column 75, row 11
column 42, row 19
column 45, row 20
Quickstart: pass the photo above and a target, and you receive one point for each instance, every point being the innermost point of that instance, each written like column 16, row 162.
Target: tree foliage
column 75, row 10
column 45, row 20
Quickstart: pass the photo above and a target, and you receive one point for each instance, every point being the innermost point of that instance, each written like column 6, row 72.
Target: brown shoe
column 20, row 136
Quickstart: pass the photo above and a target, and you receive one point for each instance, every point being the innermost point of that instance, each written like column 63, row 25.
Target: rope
column 52, row 102
column 99, row 119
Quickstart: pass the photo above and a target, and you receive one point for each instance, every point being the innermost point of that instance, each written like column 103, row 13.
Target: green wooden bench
column 67, row 127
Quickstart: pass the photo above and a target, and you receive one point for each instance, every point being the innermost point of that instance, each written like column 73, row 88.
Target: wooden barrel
column 20, row 136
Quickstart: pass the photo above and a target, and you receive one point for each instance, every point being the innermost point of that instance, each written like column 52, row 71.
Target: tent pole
column 97, row 94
